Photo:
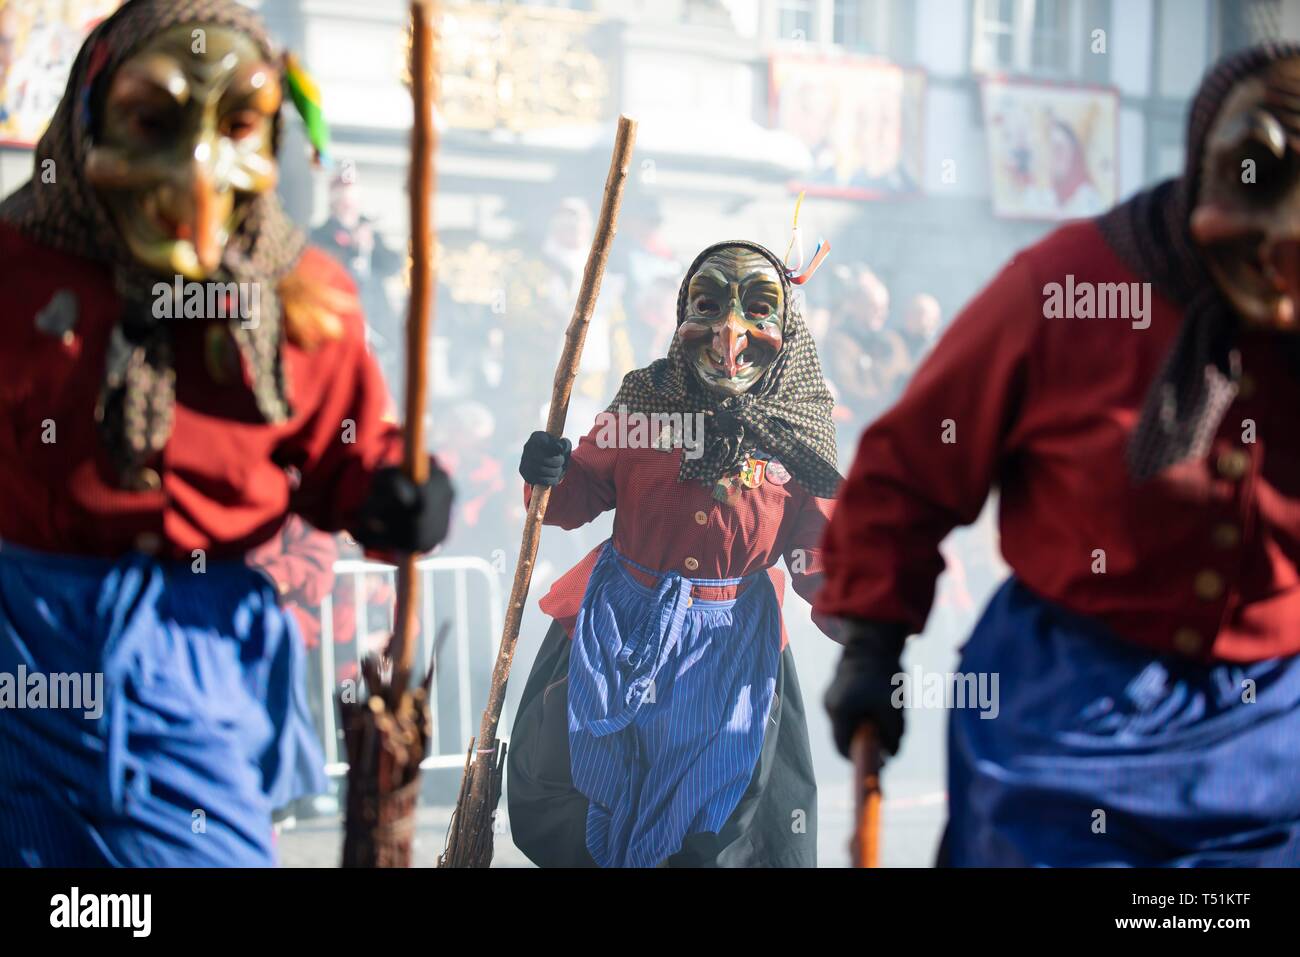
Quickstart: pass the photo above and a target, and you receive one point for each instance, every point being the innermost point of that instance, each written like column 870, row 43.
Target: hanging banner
column 1052, row 149
column 862, row 121
column 39, row 40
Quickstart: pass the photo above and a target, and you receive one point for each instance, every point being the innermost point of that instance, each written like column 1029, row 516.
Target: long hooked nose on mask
column 730, row 341
column 185, row 139
column 205, row 205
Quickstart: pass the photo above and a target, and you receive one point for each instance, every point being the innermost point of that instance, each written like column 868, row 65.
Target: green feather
column 306, row 98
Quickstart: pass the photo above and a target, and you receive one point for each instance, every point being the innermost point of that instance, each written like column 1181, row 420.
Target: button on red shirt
column 1042, row 409
column 657, row 524
column 225, row 477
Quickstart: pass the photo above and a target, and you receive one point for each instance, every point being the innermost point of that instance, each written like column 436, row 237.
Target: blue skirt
column 199, row 728
column 667, row 705
column 1106, row 754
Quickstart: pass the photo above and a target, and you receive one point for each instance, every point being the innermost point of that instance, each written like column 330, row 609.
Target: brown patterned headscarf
column 786, row 413
column 1151, row 234
column 139, row 392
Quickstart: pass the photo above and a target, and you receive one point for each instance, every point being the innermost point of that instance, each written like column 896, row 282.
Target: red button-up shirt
column 226, row 479
column 1203, row 560
column 669, row 525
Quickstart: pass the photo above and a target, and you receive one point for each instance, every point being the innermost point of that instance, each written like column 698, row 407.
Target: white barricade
column 448, row 745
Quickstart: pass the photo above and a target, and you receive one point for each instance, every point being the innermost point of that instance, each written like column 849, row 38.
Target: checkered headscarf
column 787, row 413
column 139, row 391
column 1150, row 232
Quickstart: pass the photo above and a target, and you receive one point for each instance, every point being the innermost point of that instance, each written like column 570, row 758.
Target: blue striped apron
column 203, row 727
column 1103, row 753
column 667, row 705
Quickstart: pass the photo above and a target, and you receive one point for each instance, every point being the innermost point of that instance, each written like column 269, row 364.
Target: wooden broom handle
column 419, row 320
column 865, row 751
column 565, row 373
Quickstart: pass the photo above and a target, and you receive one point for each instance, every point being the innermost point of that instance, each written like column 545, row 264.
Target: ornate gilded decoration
column 520, row 68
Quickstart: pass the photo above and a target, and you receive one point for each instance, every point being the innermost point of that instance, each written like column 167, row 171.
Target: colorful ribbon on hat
column 798, row 275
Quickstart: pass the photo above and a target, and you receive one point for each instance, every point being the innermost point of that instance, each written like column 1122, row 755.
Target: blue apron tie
column 680, row 765
column 656, row 636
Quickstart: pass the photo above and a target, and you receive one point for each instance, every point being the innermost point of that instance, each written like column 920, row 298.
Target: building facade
column 531, row 92
column 536, row 88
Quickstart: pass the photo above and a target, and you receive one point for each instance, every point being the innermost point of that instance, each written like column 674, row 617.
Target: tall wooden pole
column 565, row 374
column 469, row 840
column 422, row 188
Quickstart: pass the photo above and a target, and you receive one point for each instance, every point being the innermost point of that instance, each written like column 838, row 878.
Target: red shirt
column 668, row 525
column 300, row 561
column 225, row 477
column 1202, row 560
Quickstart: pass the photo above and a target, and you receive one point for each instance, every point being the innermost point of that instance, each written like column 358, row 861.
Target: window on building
column 863, row 26
column 797, row 20
column 995, row 29
column 874, row 27
column 561, row 4
column 1043, row 37
column 1050, row 37
column 1244, row 23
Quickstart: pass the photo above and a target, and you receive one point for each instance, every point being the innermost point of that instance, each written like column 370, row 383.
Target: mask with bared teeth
column 734, row 319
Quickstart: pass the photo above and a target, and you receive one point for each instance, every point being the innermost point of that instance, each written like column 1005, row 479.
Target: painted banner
column 39, row 40
column 1052, row 149
column 862, row 121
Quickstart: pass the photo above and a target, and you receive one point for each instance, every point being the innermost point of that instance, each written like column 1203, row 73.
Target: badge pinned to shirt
column 727, row 490
column 752, row 472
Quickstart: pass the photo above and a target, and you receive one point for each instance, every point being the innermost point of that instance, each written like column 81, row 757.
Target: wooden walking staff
column 424, row 146
column 387, row 733
column 865, row 751
column 469, row 841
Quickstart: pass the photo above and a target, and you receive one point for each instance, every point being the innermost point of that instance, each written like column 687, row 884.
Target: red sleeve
column 927, row 464
column 350, row 434
column 301, row 563
column 278, row 567
column 804, row 557
column 310, row 556
column 802, row 549
column 587, row 488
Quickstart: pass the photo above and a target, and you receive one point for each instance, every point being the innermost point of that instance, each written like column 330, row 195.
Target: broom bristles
column 470, row 832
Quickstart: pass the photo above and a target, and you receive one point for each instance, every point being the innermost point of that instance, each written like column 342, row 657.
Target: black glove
column 399, row 515
column 863, row 687
column 545, row 459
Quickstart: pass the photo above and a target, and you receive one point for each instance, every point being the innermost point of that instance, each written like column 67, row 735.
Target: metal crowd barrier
column 448, row 748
